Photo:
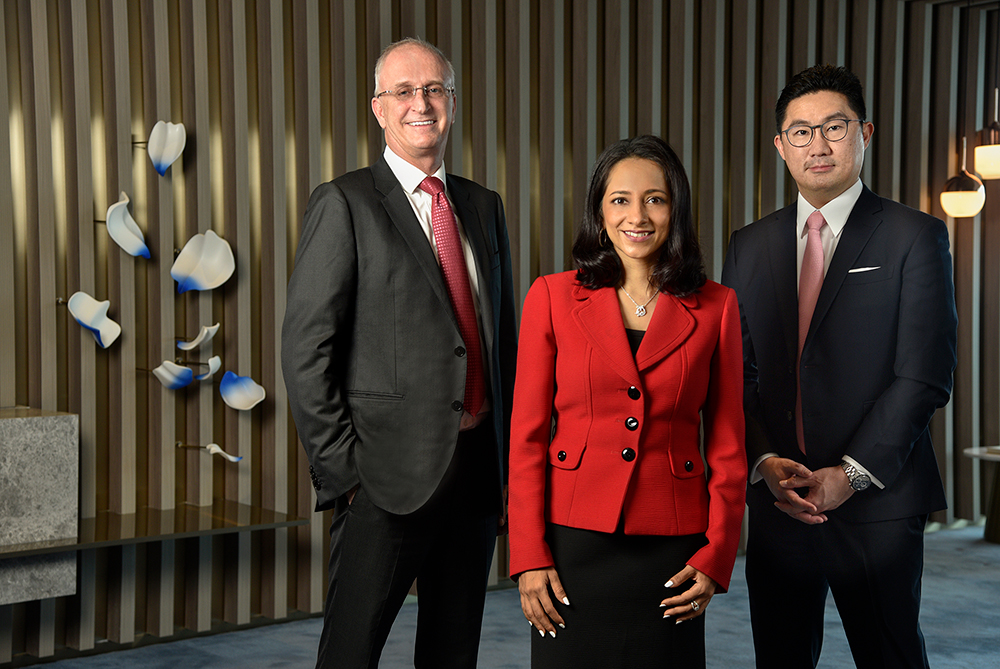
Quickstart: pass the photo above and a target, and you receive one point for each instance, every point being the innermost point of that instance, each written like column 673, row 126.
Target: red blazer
column 597, row 435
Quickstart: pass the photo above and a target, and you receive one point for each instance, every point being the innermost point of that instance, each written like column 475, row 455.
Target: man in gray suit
column 398, row 349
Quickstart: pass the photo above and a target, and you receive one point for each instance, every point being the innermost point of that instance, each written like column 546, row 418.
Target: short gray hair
column 449, row 81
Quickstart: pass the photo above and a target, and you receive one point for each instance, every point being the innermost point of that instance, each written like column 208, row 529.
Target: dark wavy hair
column 680, row 269
column 822, row 78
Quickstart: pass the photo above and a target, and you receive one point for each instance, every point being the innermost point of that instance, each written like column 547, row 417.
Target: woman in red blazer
column 615, row 521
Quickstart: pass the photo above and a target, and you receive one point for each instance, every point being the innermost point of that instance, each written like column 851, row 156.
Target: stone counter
column 39, row 500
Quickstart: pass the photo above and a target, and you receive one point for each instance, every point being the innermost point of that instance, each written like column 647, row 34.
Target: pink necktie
column 810, row 281
column 456, row 278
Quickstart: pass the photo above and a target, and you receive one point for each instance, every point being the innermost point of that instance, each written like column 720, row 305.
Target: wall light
column 988, row 152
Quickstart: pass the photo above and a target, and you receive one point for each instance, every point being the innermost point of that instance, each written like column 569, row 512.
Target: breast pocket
column 867, row 274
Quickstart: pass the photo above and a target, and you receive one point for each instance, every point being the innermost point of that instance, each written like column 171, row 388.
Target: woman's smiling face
column 636, row 210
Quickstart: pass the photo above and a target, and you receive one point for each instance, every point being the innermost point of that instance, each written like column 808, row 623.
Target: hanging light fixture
column 988, row 152
column 964, row 195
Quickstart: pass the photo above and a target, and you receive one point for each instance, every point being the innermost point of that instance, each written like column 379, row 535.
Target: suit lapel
column 401, row 214
column 599, row 318
column 857, row 231
column 471, row 221
column 670, row 324
column 783, row 260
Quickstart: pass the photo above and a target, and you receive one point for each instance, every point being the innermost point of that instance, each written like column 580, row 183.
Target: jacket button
column 634, row 393
column 688, row 466
column 628, row 455
column 561, row 455
column 790, row 416
column 460, row 351
column 456, row 405
column 631, row 423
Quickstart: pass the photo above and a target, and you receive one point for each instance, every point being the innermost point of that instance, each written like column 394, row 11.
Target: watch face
column 861, row 482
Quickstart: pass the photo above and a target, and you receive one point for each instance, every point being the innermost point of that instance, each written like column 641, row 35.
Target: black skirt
column 615, row 583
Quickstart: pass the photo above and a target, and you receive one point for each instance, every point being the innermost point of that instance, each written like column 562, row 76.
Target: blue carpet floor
column 960, row 619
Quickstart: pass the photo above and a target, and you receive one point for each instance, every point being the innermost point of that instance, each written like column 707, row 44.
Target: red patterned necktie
column 810, row 282
column 456, row 278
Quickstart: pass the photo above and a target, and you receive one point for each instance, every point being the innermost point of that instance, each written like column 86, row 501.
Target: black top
column 634, row 339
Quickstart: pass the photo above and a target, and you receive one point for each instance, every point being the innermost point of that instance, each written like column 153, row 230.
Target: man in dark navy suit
column 849, row 333
column 398, row 351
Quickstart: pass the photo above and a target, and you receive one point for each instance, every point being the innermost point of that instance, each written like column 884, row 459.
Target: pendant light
column 988, row 152
column 964, row 195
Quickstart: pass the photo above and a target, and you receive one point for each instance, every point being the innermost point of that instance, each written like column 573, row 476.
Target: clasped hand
column 826, row 488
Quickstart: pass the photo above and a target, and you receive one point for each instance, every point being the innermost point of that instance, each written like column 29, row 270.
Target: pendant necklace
column 640, row 309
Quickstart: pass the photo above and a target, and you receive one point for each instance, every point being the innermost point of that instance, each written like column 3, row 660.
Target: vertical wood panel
column 773, row 76
column 8, row 298
column 707, row 171
column 744, row 137
column 274, row 276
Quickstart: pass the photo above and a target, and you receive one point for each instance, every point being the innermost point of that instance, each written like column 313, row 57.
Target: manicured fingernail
column 666, row 615
column 531, row 623
column 678, row 622
column 562, row 626
column 663, row 606
column 566, row 601
column 542, row 633
column 668, row 584
column 552, row 634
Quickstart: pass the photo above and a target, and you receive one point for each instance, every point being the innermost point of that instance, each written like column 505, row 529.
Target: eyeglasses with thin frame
column 408, row 93
column 801, row 136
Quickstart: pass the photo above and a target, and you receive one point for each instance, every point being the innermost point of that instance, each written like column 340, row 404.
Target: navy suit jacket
column 877, row 361
column 371, row 353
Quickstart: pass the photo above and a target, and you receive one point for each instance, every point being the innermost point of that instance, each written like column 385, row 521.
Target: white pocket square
column 863, row 269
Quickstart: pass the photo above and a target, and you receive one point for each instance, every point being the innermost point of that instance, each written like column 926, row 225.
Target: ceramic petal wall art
column 173, row 376
column 240, row 392
column 214, row 363
column 93, row 315
column 205, row 335
column 124, row 230
column 215, row 450
column 205, row 262
column 166, row 141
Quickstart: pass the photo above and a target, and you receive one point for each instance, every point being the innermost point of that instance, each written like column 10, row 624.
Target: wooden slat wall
column 275, row 97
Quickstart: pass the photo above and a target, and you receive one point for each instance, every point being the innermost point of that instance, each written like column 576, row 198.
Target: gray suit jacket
column 370, row 344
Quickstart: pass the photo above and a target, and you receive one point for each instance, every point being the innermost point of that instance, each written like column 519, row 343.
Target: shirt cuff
column 754, row 474
column 851, row 461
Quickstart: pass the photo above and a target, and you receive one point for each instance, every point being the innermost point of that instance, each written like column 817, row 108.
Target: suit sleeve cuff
column 851, row 461
column 754, row 474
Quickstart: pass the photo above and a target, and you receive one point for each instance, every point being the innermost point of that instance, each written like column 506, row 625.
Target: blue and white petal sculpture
column 93, row 315
column 124, row 230
column 214, row 363
column 205, row 262
column 215, row 450
column 166, row 141
column 173, row 376
column 205, row 335
column 240, row 392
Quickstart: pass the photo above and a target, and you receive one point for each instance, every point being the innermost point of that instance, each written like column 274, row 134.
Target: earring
column 602, row 238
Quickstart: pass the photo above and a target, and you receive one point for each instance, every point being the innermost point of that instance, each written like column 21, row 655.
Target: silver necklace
column 640, row 309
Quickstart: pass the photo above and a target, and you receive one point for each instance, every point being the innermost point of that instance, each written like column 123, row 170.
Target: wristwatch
column 858, row 479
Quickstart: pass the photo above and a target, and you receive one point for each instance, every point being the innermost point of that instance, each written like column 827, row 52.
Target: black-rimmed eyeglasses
column 407, row 93
column 833, row 131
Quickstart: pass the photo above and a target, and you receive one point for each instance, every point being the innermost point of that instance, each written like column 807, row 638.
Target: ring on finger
column 695, row 605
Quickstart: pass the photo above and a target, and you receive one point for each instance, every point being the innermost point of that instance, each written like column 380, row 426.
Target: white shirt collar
column 836, row 211
column 408, row 175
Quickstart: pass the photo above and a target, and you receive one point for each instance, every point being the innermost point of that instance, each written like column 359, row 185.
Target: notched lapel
column 861, row 224
column 783, row 261
column 670, row 325
column 472, row 222
column 401, row 214
column 599, row 318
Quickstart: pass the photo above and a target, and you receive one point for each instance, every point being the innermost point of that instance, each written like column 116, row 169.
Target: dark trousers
column 872, row 569
column 447, row 546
